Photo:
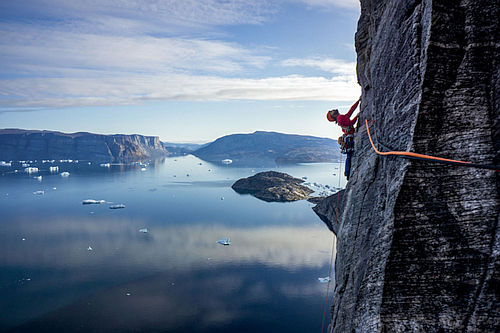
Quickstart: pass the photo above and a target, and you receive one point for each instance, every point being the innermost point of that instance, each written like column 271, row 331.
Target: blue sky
column 185, row 70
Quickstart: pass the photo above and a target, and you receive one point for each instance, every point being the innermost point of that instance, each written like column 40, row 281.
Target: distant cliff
column 270, row 147
column 17, row 144
column 418, row 245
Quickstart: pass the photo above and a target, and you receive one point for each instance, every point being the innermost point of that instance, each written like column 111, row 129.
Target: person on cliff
column 347, row 140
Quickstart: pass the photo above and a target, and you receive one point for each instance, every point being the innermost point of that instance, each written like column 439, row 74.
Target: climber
column 347, row 140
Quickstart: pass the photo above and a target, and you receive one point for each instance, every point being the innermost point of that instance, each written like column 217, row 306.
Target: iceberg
column 93, row 202
column 227, row 161
column 118, row 206
column 31, row 170
column 224, row 241
column 65, row 174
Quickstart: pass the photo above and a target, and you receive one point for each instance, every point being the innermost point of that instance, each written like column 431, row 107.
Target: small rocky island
column 273, row 186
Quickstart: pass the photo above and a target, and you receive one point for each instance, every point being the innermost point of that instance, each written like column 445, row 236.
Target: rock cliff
column 18, row 144
column 419, row 243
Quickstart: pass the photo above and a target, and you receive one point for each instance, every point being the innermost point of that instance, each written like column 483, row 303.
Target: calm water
column 175, row 278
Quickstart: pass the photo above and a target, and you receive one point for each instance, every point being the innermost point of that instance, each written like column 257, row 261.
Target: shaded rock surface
column 328, row 210
column 16, row 144
column 419, row 243
column 273, row 186
column 269, row 148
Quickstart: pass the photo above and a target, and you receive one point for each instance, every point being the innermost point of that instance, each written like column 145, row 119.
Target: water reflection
column 173, row 278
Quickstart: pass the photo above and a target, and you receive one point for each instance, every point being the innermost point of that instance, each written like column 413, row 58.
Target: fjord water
column 68, row 267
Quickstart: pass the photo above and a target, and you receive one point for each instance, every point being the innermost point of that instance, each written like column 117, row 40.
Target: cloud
column 334, row 66
column 348, row 4
column 119, row 52
column 70, row 92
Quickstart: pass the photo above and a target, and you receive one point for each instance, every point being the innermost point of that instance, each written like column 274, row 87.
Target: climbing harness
column 332, row 252
column 428, row 158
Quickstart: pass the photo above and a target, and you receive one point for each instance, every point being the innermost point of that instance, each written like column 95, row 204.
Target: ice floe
column 324, row 279
column 93, row 202
column 118, row 206
column 224, row 241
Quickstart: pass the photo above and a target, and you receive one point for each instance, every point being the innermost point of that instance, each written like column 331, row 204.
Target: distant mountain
column 19, row 144
column 181, row 148
column 265, row 147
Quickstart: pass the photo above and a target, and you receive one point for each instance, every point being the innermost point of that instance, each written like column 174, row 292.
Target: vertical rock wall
column 418, row 243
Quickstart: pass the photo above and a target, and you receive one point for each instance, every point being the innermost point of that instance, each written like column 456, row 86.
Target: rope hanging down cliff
column 428, row 158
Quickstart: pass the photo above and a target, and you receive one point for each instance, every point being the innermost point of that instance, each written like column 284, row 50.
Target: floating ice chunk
column 118, row 206
column 324, row 279
column 54, row 169
column 224, row 241
column 227, row 161
column 90, row 248
column 105, row 165
column 41, row 192
column 144, row 230
column 93, row 202
column 65, row 174
column 31, row 170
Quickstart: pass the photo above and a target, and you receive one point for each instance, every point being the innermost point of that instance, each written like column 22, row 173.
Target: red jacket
column 346, row 123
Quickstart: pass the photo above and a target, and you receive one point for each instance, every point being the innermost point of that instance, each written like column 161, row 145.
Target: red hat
column 330, row 117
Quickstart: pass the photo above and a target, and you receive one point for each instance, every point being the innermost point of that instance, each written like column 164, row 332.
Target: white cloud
column 349, row 4
column 334, row 66
column 118, row 52
column 67, row 92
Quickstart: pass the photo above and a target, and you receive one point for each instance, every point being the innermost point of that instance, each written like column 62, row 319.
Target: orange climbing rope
column 406, row 154
column 333, row 248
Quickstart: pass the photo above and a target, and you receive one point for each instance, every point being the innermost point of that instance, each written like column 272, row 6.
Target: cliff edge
column 18, row 144
column 419, row 243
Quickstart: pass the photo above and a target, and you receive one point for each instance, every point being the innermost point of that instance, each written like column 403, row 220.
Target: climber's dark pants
column 348, row 165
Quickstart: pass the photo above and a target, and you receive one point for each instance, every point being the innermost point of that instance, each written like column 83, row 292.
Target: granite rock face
column 419, row 243
column 273, row 186
column 28, row 145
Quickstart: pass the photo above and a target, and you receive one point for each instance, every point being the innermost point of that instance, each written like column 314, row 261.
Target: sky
column 183, row 70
